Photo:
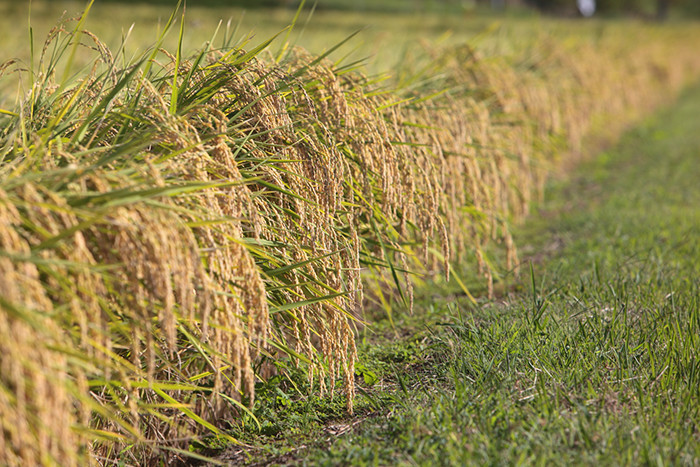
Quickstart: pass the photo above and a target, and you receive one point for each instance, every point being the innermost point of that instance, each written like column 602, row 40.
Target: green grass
column 593, row 357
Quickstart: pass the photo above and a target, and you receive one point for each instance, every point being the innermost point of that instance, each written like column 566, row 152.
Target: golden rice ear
column 35, row 399
column 38, row 411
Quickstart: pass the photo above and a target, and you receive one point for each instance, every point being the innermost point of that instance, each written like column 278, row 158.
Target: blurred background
column 604, row 7
column 402, row 19
column 387, row 33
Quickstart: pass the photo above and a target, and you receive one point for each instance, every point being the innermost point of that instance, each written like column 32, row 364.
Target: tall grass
column 176, row 228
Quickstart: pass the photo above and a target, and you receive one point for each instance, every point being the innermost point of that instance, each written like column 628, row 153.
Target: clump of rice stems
column 167, row 223
column 170, row 225
column 505, row 124
column 35, row 397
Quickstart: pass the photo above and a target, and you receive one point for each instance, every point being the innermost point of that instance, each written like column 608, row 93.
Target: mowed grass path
column 594, row 358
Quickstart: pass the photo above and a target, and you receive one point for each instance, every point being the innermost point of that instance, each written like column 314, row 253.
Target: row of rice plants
column 174, row 229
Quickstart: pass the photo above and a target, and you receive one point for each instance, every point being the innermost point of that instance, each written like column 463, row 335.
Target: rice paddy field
column 318, row 235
